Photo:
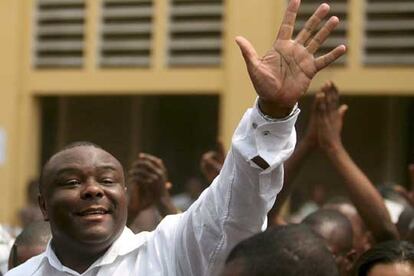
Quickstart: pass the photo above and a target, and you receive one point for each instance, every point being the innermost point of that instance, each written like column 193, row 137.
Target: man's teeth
column 95, row 212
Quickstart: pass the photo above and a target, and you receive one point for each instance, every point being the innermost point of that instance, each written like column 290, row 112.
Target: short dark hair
column 285, row 250
column 67, row 147
column 344, row 233
column 385, row 253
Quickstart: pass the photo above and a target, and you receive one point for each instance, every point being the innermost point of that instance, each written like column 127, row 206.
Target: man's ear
column 42, row 205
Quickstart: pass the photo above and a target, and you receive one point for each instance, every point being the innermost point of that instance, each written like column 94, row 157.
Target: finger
column 322, row 35
column 320, row 102
column 312, row 24
column 323, row 61
column 288, row 23
column 331, row 99
column 168, row 185
column 342, row 110
column 249, row 53
column 153, row 159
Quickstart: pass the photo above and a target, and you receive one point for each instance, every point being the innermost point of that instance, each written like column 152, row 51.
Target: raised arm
column 234, row 207
column 362, row 192
column 292, row 168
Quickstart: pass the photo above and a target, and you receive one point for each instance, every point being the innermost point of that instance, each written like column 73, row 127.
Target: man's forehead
column 81, row 156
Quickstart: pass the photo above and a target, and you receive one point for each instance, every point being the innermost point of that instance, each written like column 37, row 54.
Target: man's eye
column 72, row 182
column 107, row 181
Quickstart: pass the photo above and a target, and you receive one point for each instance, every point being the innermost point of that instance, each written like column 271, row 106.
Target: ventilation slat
column 126, row 45
column 338, row 36
column 61, row 14
column 61, row 2
column 195, row 33
column 126, row 33
column 196, row 44
column 61, row 30
column 197, row 27
column 389, row 32
column 59, row 37
column 199, row 10
column 391, row 7
column 56, row 62
column 127, row 61
column 196, row 60
column 128, row 28
column 390, row 42
column 134, row 12
column 60, row 46
column 388, row 25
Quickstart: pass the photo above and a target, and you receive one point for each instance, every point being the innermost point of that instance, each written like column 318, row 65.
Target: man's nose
column 92, row 190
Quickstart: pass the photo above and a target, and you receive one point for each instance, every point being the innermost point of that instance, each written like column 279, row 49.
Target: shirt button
column 254, row 125
column 266, row 132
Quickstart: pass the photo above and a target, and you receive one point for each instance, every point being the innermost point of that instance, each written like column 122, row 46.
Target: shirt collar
column 126, row 243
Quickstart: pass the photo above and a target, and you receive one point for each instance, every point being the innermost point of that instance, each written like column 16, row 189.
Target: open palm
column 284, row 74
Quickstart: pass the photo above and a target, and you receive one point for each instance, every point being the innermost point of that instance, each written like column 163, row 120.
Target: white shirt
column 197, row 241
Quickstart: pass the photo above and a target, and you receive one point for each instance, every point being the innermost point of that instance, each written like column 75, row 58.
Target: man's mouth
column 93, row 211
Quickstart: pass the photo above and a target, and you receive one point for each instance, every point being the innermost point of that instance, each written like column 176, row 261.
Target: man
column 30, row 242
column 292, row 250
column 83, row 190
column 336, row 230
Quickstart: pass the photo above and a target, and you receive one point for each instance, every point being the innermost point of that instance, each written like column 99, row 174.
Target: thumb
column 247, row 50
column 342, row 110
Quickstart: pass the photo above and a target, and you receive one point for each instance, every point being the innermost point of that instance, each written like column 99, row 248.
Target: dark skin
column 212, row 161
column 148, row 190
column 284, row 73
column 361, row 191
column 83, row 196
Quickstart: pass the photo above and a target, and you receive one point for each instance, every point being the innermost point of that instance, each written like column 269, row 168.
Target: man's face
column 83, row 197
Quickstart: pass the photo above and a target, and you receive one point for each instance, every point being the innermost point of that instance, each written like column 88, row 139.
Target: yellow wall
column 257, row 20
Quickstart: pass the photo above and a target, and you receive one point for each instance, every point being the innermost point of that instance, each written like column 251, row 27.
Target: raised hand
column 329, row 117
column 147, row 180
column 284, row 74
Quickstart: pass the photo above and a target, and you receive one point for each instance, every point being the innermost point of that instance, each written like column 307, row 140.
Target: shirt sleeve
column 235, row 205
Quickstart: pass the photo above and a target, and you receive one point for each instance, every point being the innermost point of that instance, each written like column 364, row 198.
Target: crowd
column 99, row 220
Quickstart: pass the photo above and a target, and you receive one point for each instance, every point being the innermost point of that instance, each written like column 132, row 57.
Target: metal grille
column 389, row 32
column 195, row 33
column 59, row 37
column 126, row 33
column 339, row 8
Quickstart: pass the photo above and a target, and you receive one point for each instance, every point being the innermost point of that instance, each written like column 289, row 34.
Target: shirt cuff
column 270, row 119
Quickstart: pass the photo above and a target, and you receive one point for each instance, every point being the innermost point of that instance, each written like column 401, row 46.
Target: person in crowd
column 336, row 230
column 30, row 242
column 148, row 191
column 293, row 250
column 31, row 211
column 362, row 238
column 405, row 224
column 391, row 258
column 83, row 191
column 324, row 131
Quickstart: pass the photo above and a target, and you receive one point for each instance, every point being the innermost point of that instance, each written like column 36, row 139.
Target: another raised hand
column 330, row 117
column 148, row 186
column 361, row 191
column 284, row 74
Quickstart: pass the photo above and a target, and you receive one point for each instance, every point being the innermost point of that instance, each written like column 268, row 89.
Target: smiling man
column 83, row 190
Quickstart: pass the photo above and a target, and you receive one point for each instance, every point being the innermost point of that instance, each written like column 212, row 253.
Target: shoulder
column 27, row 268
